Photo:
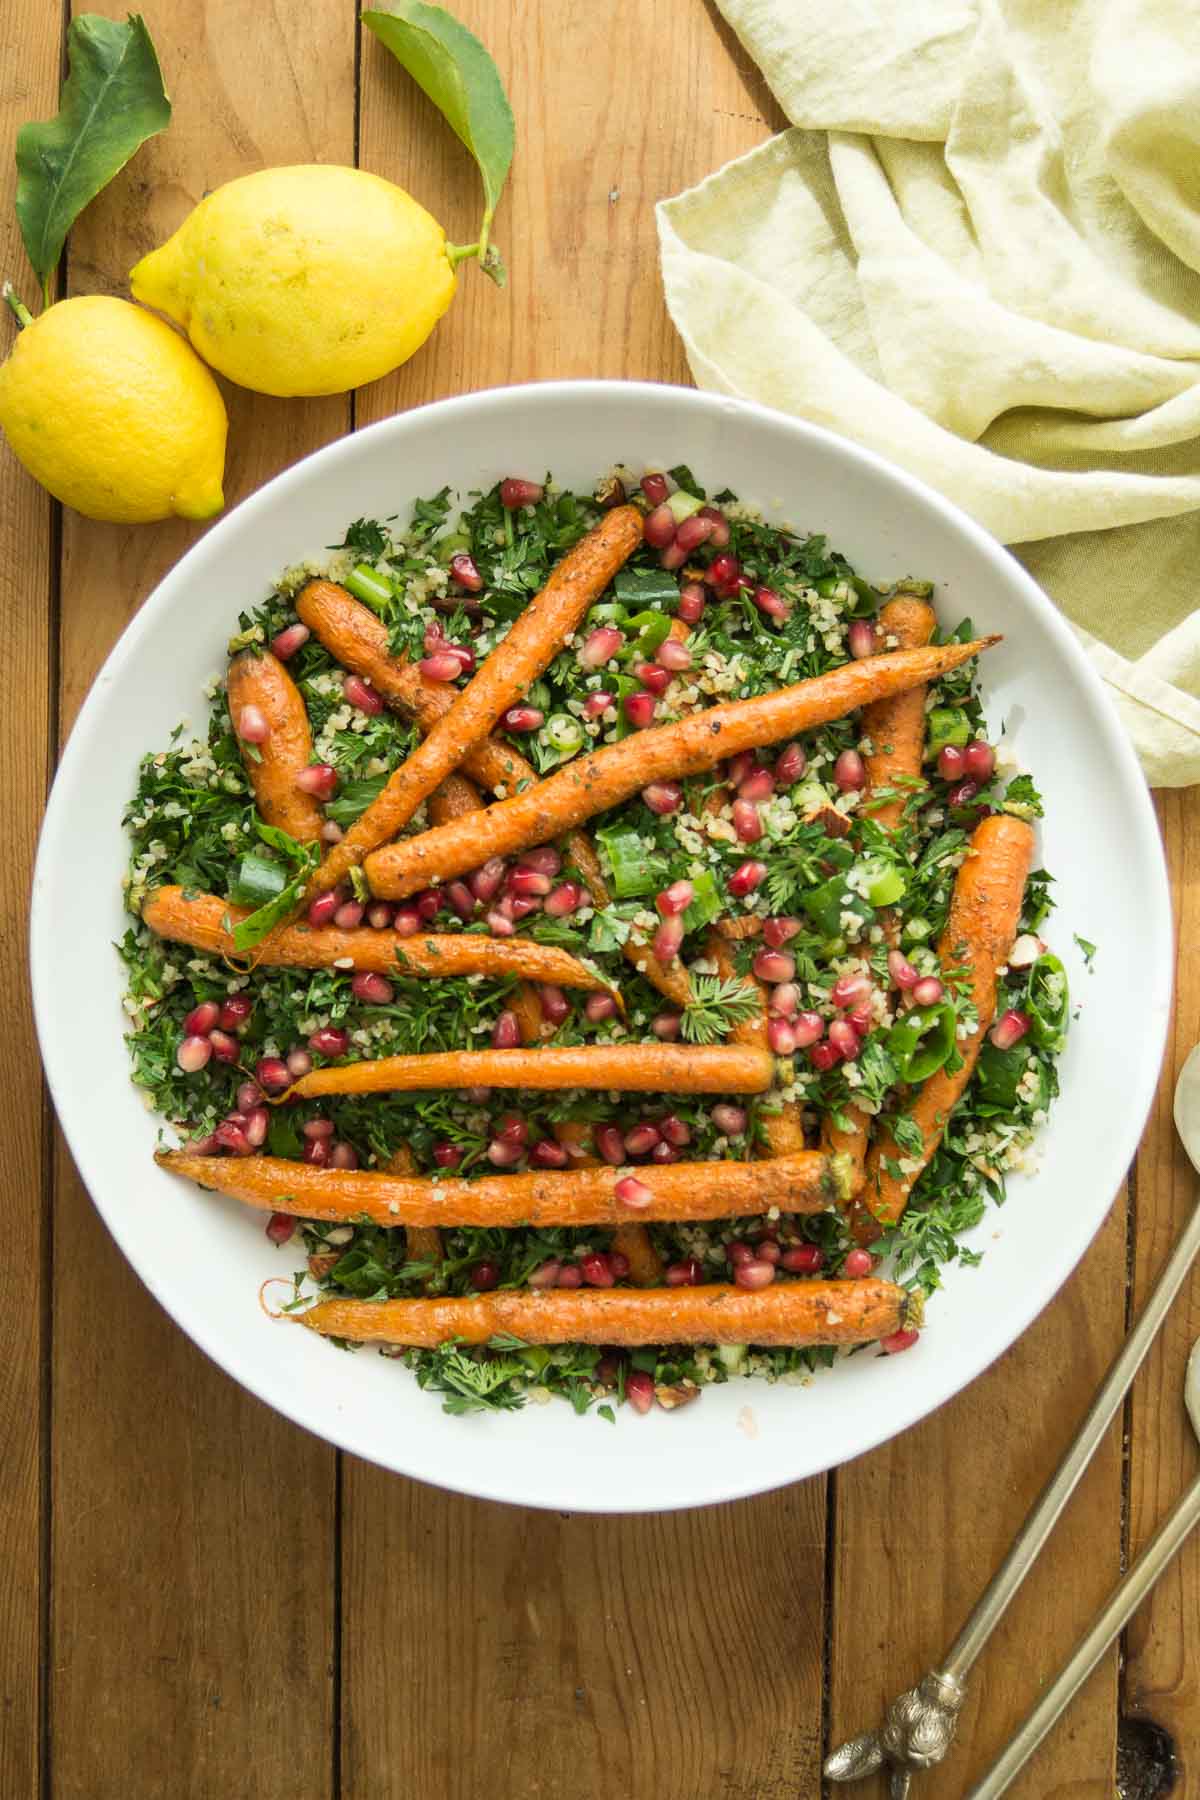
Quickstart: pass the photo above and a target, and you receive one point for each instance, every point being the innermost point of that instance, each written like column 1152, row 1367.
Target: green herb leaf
column 716, row 1006
column 1088, row 949
column 112, row 101
column 454, row 69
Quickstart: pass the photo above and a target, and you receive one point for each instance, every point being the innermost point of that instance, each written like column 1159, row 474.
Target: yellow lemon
column 108, row 408
column 304, row 280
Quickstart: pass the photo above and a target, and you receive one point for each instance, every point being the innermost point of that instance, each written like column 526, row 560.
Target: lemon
column 310, row 279
column 108, row 408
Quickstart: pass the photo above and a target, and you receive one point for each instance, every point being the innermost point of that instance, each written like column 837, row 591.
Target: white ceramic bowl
column 204, row 1257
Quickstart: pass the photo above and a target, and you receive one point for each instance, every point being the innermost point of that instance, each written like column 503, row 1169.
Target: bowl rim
column 497, row 1481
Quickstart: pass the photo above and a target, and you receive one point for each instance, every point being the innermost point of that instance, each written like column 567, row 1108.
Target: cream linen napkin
column 979, row 254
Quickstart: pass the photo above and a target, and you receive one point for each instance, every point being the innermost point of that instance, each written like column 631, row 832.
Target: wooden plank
column 921, row 1524
column 541, row 1655
column 1161, row 1681
column 194, row 1530
column 30, row 52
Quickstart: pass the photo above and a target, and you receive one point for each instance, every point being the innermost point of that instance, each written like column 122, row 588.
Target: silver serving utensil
column 919, row 1725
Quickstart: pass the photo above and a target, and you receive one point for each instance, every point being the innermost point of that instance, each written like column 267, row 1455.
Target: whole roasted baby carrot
column 787, row 1313
column 628, row 1068
column 613, row 774
column 423, row 1243
column 783, row 1130
column 806, row 1183
column 633, row 1241
column 205, row 922
column 895, row 727
column 984, row 913
column 258, row 682
column 537, row 635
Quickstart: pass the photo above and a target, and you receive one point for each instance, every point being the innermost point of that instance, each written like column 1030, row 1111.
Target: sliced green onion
column 643, row 587
column 652, row 628
column 915, row 931
column 946, row 725
column 366, row 585
column 922, row 1040
column 683, row 505
column 634, row 869
column 1048, row 1003
column 883, row 882
column 564, row 732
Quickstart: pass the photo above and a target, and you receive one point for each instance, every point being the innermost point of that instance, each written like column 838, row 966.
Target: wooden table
column 196, row 1599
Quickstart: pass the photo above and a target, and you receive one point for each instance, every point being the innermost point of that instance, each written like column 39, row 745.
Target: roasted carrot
column 790, row 1312
column 984, row 913
column 607, row 777
column 806, row 1183
column 633, row 1241
column 204, row 922
column 783, row 1130
column 628, row 1068
column 531, row 1021
column 454, row 799
column 895, row 727
column 258, row 679
column 423, row 1243
column 536, row 636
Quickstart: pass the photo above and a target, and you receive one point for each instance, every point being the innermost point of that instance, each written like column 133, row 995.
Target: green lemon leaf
column 454, row 69
column 111, row 102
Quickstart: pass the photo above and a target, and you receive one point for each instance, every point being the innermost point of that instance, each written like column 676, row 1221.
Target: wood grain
column 30, row 48
column 1161, row 1678
column 193, row 1534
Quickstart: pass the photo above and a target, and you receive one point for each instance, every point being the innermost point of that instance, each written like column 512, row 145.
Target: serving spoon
column 919, row 1725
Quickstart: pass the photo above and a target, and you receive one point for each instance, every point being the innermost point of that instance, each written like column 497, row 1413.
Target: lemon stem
column 485, row 252
column 20, row 311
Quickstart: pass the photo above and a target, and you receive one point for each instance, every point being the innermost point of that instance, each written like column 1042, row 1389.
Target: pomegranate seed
column 232, row 1137
column 673, row 655
column 719, row 536
column 251, row 725
column 258, row 1121
column 465, row 573
column 512, row 1128
column 767, row 1250
column 746, row 821
column 739, row 768
column 554, row 1003
column 772, row 605
column 844, row 1039
column 361, row 694
column 675, row 1131
column 249, row 1095
column 407, row 921
column 659, row 527
column 447, row 1155
column 316, row 1152
column 235, row 1012
column 598, row 703
column 445, row 666
column 738, row 1252
column 790, row 765
column 963, row 794
column 640, row 708
column 666, row 1026
column 600, row 646
column 193, row 1054
column 514, row 492
column 979, row 760
column 1026, row 951
column 286, row 642
column 664, row 1153
column 499, row 924
column 502, row 1154
column 850, row 990
column 754, row 1274
column 823, row 1056
column 663, row 797
column 544, row 858
column 201, row 1019
column 809, row 1028
column 299, row 1062
column 632, row 1193
column 928, row 991
column 723, row 571
column 528, row 884
column 281, row 1228
column 317, row 1128
column 693, row 532
column 348, row 916
column 860, row 1018
column 655, row 488
column 639, row 1390
column 379, row 915
column 598, row 1007
column 774, row 965
column 1009, row 1029
column 330, row 1040
column 672, row 558
column 861, row 638
column 675, row 899
column 668, row 939
column 546, row 1154
column 547, row 1275
column 523, row 718
column 641, row 1139
column 689, row 1273
column 343, row 1156
column 564, row 900
column 319, row 779
column 372, row 989
column 653, row 676
column 849, row 772
column 272, row 1076
column 746, row 877
column 506, row 1032
column 428, row 904
column 858, row 1262
column 569, row 1276
column 595, row 1270
column 902, row 973
column 729, row 1119
column 785, row 1000
column 485, row 882
column 803, row 1259
column 485, row 1276
column 691, row 603
column 781, row 1036
column 758, row 786
column 896, row 1341
column 322, row 909
column 951, row 762
column 610, row 1144
column 779, row 931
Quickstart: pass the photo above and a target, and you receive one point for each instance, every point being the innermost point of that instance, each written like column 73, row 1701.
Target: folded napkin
column 979, row 254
